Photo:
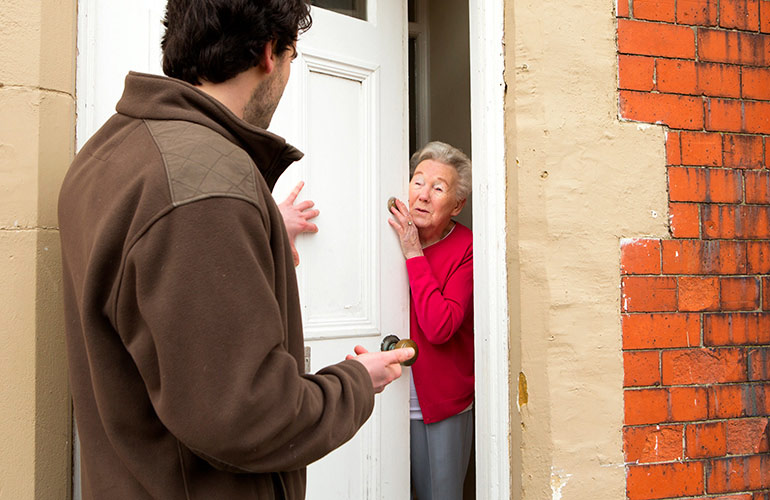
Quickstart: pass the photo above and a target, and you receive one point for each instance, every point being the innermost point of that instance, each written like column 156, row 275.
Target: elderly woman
column 439, row 261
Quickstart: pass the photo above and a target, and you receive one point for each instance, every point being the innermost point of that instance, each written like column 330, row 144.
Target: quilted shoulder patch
column 200, row 163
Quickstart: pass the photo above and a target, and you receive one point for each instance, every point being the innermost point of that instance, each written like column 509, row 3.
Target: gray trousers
column 439, row 456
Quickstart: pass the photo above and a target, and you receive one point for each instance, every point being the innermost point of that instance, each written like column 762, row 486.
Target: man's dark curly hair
column 214, row 40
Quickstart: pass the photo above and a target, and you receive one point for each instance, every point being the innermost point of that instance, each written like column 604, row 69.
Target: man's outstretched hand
column 296, row 217
column 383, row 367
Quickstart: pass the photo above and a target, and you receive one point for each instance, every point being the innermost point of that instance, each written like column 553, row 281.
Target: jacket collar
column 154, row 97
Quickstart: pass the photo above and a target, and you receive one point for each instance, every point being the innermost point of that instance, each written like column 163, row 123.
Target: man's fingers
column 304, row 205
column 309, row 214
column 359, row 349
column 295, row 192
column 400, row 355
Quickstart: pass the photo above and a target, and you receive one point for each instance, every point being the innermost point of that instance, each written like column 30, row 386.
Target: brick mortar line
column 696, row 422
column 675, row 423
column 704, row 386
column 672, row 58
column 700, row 386
column 691, row 348
column 703, row 97
column 707, row 496
column 700, row 313
column 721, row 167
column 701, row 459
column 691, row 275
column 723, row 204
column 622, row 118
column 696, row 58
column 733, row 240
column 701, row 325
column 717, row 27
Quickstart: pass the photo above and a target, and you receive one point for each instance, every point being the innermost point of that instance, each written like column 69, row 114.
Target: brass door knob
column 392, row 342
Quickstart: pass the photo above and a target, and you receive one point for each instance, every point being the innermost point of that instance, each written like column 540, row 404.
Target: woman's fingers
column 401, row 214
column 402, row 208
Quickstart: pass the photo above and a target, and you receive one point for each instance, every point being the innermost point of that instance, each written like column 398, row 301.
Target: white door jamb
column 492, row 407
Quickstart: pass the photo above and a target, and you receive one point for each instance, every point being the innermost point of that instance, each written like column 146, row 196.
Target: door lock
column 392, row 342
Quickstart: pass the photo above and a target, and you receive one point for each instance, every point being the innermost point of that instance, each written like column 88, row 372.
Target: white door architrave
column 490, row 272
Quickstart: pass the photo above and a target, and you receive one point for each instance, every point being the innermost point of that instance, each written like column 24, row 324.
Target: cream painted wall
column 579, row 181
column 37, row 117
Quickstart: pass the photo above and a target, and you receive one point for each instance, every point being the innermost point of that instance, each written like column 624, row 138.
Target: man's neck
column 235, row 92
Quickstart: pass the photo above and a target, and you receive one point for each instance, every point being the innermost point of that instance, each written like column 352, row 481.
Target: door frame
column 490, row 274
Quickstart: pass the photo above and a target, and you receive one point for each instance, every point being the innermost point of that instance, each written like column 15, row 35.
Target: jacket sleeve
column 200, row 310
column 440, row 310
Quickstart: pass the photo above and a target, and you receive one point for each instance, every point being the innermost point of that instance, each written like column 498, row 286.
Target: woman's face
column 433, row 196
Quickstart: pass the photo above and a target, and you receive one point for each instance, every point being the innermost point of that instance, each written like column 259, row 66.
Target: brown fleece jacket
column 183, row 325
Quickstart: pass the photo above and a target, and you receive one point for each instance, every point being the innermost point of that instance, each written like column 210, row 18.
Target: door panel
column 340, row 172
column 344, row 107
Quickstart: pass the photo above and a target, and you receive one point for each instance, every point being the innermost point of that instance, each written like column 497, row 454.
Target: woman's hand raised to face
column 406, row 230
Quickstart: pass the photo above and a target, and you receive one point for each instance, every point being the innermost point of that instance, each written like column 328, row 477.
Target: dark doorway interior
column 440, row 97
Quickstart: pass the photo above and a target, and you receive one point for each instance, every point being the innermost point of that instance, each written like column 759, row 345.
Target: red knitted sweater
column 441, row 285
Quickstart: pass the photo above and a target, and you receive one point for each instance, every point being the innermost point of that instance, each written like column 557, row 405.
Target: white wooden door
column 345, row 108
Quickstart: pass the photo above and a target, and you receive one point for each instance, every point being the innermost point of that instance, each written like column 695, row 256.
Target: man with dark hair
column 183, row 324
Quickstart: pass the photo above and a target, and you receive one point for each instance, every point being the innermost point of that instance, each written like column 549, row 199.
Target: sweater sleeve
column 201, row 314
column 440, row 310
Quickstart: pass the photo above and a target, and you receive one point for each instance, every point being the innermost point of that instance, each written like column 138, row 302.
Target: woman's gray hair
column 448, row 155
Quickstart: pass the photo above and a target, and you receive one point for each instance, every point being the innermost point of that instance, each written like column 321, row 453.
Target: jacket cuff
column 364, row 384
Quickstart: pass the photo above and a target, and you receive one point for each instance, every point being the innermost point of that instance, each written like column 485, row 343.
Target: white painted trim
column 84, row 127
column 493, row 458
column 84, row 80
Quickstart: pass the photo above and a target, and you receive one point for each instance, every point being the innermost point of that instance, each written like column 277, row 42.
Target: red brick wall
column 696, row 306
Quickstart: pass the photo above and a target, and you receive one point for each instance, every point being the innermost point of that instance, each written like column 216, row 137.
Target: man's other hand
column 296, row 217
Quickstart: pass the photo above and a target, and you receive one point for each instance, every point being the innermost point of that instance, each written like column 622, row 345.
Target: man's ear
column 267, row 62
